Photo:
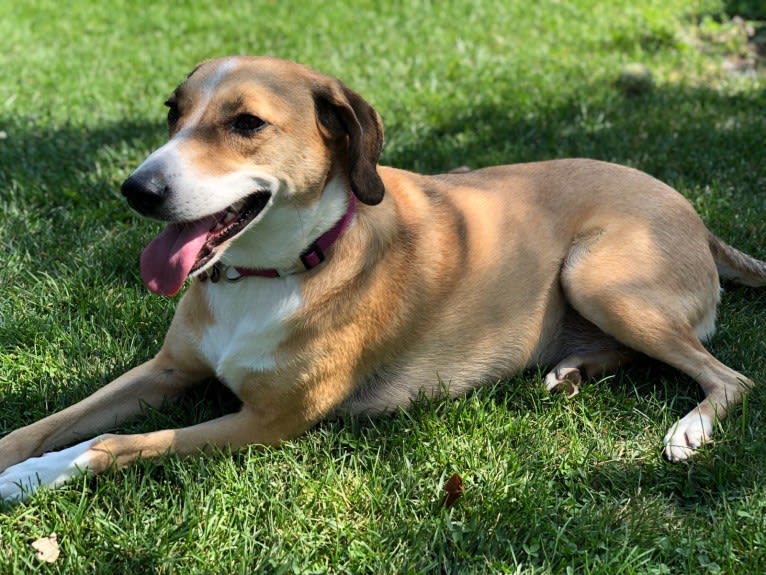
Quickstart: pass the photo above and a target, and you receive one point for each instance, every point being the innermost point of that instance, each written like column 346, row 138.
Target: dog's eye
column 247, row 124
column 173, row 113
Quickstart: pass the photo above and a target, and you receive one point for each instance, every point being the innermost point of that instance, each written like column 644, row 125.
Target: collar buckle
column 312, row 256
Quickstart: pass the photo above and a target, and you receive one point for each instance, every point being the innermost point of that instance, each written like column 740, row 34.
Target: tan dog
column 307, row 302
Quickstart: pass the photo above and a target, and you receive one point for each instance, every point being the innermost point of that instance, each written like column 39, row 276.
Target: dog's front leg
column 275, row 416
column 146, row 385
column 271, row 413
column 230, row 431
column 248, row 426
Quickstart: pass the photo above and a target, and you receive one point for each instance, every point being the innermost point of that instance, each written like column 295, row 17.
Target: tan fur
column 442, row 283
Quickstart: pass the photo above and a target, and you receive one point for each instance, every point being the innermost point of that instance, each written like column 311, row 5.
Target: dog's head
column 257, row 146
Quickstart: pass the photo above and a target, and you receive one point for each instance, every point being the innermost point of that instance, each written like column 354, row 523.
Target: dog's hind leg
column 581, row 351
column 570, row 371
column 658, row 298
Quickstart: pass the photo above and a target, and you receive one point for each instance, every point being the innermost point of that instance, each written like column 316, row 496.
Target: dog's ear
column 342, row 113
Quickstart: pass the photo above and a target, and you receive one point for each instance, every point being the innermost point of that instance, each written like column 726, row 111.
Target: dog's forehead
column 261, row 75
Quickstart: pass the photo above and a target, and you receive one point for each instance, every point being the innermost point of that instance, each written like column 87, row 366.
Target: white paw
column 49, row 470
column 687, row 435
column 566, row 379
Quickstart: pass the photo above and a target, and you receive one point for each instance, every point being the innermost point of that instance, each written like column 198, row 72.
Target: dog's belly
column 395, row 386
column 458, row 360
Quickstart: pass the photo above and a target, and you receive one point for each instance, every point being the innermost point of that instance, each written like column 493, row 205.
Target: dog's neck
column 301, row 251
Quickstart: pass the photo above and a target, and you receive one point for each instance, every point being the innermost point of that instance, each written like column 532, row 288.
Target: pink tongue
column 169, row 258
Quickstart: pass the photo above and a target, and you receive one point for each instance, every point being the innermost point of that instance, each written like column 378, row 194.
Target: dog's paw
column 50, row 470
column 565, row 379
column 687, row 435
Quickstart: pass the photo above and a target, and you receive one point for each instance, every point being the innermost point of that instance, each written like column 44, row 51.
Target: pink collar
column 311, row 257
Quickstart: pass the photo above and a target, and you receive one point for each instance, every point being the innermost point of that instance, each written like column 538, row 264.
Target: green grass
column 551, row 485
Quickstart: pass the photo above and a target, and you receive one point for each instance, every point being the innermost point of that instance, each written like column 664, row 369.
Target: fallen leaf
column 454, row 489
column 47, row 548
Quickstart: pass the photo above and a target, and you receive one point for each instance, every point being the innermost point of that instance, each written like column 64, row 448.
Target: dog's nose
column 145, row 192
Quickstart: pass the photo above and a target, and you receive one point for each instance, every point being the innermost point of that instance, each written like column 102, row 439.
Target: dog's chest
column 249, row 324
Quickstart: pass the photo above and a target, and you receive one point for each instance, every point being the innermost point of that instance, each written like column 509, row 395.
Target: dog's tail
column 735, row 265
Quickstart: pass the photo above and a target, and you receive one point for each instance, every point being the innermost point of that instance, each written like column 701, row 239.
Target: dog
column 323, row 283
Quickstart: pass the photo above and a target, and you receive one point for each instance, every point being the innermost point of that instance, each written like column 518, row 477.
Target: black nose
column 145, row 192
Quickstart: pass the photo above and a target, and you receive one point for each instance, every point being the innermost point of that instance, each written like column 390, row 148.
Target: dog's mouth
column 187, row 247
column 229, row 223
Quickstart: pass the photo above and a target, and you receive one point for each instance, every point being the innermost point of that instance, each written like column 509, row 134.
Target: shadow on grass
column 549, row 505
column 749, row 9
column 695, row 136
column 60, row 191
column 46, row 158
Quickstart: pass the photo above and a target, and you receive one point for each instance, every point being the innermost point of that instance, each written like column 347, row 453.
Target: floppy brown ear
column 342, row 112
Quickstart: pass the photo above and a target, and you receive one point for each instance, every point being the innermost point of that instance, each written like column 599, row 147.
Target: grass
column 551, row 485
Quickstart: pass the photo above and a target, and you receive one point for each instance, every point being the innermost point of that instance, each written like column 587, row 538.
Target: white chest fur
column 248, row 325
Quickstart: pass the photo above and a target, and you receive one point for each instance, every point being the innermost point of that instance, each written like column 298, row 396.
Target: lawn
column 551, row 485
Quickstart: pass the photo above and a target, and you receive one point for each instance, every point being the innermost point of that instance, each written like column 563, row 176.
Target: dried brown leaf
column 454, row 489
